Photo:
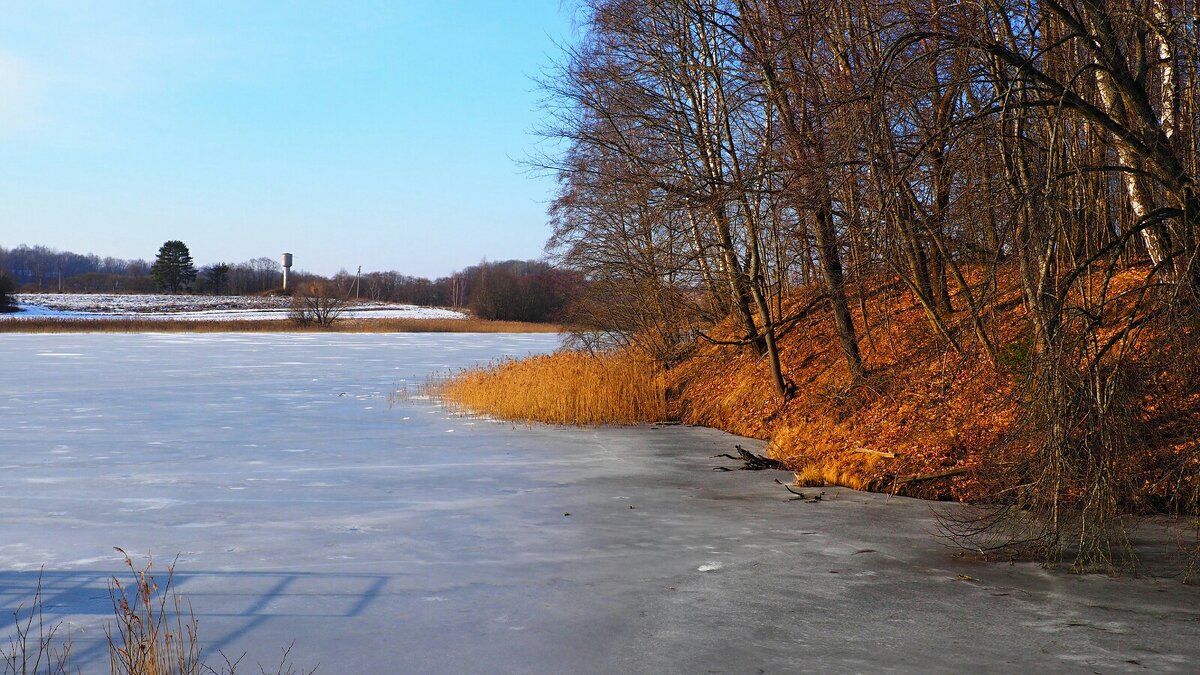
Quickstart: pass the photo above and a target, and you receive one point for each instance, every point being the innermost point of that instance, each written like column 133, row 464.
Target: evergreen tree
column 173, row 269
column 216, row 277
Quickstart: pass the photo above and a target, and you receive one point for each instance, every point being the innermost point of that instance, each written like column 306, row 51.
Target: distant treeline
column 512, row 290
column 37, row 268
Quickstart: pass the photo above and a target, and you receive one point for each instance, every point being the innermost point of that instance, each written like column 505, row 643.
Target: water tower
column 287, row 266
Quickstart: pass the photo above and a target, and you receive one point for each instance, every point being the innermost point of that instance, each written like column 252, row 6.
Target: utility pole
column 357, row 287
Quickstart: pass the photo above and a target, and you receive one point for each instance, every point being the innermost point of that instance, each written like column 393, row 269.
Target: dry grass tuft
column 563, row 388
column 52, row 325
column 824, row 461
column 36, row 650
column 155, row 633
column 151, row 637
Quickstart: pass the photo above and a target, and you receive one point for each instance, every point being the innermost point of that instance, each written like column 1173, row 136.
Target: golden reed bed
column 562, row 388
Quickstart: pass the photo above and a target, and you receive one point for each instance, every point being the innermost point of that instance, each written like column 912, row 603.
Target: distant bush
column 213, row 279
column 7, row 288
column 518, row 291
column 316, row 303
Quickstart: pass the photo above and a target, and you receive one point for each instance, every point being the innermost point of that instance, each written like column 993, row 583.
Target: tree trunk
column 835, row 284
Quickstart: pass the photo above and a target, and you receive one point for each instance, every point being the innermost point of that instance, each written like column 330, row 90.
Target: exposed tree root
column 751, row 461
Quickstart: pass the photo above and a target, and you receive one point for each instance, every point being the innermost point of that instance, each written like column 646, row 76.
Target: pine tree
column 173, row 269
column 217, row 274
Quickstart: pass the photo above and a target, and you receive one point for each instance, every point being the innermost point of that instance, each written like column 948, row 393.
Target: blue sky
column 380, row 134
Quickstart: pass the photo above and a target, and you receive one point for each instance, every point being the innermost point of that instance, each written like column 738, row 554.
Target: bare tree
column 317, row 303
column 721, row 152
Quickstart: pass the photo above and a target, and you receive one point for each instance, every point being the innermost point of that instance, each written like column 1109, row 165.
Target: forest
column 998, row 198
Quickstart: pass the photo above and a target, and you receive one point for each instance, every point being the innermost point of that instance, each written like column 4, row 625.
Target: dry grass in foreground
column 151, row 636
column 52, row 325
column 155, row 633
column 563, row 388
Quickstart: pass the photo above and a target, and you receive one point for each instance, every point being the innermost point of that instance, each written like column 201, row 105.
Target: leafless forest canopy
column 721, row 154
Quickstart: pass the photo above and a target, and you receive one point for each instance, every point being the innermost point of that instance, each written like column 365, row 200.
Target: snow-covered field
column 197, row 307
column 381, row 534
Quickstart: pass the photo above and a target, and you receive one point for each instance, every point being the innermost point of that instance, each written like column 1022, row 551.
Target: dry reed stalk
column 152, row 637
column 563, row 388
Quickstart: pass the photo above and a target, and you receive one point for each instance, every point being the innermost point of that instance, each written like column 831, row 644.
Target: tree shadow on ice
column 247, row 600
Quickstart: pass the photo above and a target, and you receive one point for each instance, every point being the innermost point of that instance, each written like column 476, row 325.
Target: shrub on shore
column 7, row 288
column 316, row 304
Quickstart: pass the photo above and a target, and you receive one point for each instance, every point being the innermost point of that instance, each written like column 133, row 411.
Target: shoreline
column 350, row 325
column 472, row 542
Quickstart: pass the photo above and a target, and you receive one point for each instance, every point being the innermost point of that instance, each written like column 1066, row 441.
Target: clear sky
column 381, row 134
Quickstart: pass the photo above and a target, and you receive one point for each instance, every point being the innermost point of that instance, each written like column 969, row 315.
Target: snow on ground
column 198, row 307
column 381, row 534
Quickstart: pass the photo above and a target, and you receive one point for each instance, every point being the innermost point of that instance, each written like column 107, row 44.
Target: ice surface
column 197, row 307
column 305, row 505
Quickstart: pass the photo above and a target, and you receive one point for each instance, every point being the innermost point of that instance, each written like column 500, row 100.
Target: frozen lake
column 197, row 308
column 388, row 538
